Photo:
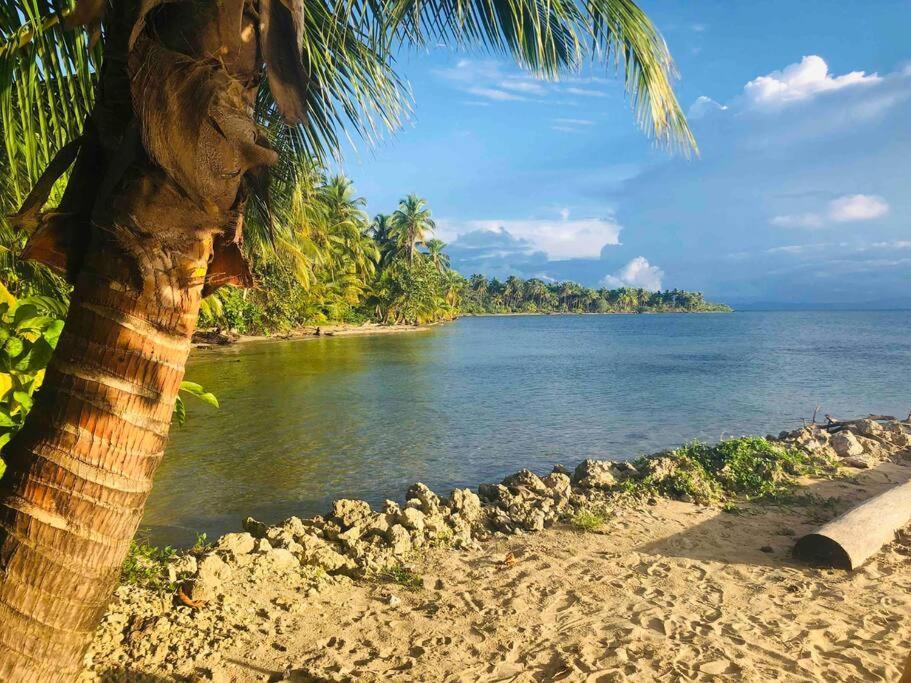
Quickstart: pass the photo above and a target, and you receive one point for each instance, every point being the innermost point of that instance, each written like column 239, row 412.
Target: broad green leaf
column 179, row 416
column 24, row 312
column 24, row 400
column 13, row 347
column 5, row 419
column 37, row 358
column 52, row 333
column 38, row 322
column 6, row 297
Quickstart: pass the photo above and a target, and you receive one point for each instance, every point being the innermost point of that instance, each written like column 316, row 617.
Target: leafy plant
column 29, row 330
column 146, row 566
column 401, row 575
column 192, row 389
column 751, row 467
column 588, row 520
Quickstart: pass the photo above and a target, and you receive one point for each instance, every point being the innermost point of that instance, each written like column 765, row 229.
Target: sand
column 664, row 592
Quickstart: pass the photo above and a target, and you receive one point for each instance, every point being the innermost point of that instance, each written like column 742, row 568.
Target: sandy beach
column 665, row 590
column 212, row 339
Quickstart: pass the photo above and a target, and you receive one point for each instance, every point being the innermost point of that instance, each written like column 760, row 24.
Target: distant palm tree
column 437, row 256
column 411, row 224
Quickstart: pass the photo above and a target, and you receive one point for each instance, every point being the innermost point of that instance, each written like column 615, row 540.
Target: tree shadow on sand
column 764, row 533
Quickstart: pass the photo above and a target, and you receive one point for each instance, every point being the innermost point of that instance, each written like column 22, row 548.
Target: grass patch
column 146, row 566
column 402, row 576
column 202, row 545
column 586, row 520
column 747, row 467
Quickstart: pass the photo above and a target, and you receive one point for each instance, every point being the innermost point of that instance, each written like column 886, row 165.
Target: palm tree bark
column 148, row 219
column 80, row 471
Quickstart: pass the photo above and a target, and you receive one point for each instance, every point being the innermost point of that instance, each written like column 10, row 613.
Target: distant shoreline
column 208, row 339
column 571, row 313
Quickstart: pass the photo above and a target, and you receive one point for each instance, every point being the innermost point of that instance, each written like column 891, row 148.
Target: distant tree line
column 515, row 295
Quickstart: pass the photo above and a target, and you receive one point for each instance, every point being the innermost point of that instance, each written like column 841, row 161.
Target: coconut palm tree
column 411, row 224
column 439, row 258
column 196, row 103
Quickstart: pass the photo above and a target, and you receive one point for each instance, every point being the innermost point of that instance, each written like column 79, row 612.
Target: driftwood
column 833, row 425
column 849, row 540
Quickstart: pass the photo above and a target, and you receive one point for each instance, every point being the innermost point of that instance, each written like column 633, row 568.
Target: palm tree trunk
column 81, row 469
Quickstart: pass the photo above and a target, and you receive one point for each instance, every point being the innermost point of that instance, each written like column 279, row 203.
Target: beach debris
column 186, row 600
column 849, row 540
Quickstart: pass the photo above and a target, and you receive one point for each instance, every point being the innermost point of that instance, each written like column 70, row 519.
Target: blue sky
column 802, row 192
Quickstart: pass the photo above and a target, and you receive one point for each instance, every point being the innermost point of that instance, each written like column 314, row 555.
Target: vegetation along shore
column 679, row 563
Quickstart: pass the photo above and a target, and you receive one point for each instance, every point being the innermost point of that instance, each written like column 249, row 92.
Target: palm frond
column 47, row 80
column 552, row 38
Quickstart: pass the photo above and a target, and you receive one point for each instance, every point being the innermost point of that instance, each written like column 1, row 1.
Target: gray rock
column 863, row 461
column 349, row 513
column 294, row 526
column 598, row 474
column 495, row 493
column 466, row 504
column 317, row 552
column 181, row 567
column 280, row 559
column 378, row 525
column 558, row 484
column 412, row 518
column 846, row 444
column 869, row 428
column 428, row 501
column 210, row 577
column 524, row 479
column 350, row 537
column 237, row 543
column 399, row 539
column 255, row 528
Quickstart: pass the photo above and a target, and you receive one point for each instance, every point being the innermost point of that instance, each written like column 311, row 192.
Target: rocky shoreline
column 207, row 603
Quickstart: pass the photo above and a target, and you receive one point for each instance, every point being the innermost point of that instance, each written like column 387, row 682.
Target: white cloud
column 523, row 85
column 574, row 122
column 637, row 273
column 499, row 82
column 897, row 244
column 585, row 92
column 495, row 94
column 704, row 106
column 560, row 239
column 849, row 208
column 801, row 81
column 857, row 207
column 799, row 220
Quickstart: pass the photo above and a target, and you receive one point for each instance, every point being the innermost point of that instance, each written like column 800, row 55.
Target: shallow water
column 304, row 422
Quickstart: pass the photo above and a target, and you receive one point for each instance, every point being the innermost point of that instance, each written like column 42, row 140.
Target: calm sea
column 304, row 422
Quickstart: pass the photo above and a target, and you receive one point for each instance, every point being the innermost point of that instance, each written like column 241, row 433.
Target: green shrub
column 588, row 520
column 751, row 467
column 29, row 330
column 146, row 566
column 401, row 575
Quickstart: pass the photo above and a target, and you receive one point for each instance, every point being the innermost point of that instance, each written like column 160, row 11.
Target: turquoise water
column 304, row 422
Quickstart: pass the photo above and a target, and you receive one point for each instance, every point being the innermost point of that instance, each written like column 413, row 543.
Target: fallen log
column 849, row 540
column 837, row 425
